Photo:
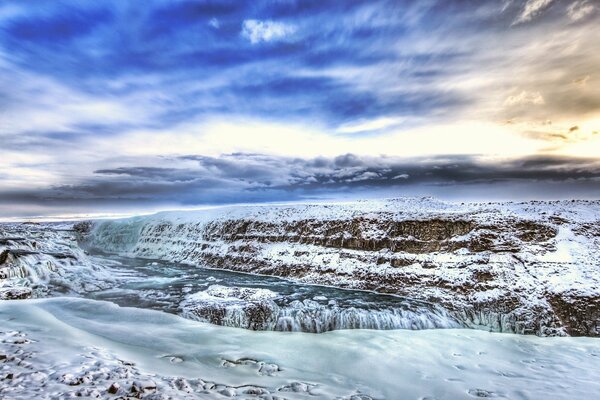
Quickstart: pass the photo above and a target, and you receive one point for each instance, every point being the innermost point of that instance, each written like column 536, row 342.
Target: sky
column 123, row 106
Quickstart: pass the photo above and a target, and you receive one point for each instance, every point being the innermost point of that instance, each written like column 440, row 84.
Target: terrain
column 372, row 299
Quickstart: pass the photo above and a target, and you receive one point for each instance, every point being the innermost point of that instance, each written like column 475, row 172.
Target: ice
column 256, row 309
column 47, row 344
column 45, row 259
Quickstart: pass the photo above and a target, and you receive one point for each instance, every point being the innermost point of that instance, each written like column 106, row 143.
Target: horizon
column 116, row 109
column 66, row 218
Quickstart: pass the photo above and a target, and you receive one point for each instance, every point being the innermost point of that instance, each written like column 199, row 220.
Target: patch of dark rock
column 529, row 231
column 580, row 315
column 558, row 220
column 21, row 252
column 20, row 293
column 401, row 262
column 4, row 256
column 480, row 393
column 114, row 388
column 62, row 256
column 83, row 228
column 589, row 230
column 143, row 386
column 483, row 276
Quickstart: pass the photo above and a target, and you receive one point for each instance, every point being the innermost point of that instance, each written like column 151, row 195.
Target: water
column 259, row 302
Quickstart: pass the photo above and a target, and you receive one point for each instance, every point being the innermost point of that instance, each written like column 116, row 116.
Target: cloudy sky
column 133, row 106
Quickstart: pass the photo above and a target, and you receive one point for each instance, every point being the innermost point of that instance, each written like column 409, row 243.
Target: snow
column 53, row 342
column 220, row 293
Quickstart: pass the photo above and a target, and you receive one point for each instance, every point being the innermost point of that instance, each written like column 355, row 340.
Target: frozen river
column 259, row 302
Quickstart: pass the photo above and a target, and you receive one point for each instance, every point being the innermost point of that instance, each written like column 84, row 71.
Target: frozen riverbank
column 82, row 346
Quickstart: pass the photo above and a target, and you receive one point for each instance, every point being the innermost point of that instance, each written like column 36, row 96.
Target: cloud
column 265, row 31
column 580, row 9
column 401, row 176
column 214, row 22
column 110, row 87
column 370, row 125
column 525, row 98
column 532, row 9
column 195, row 180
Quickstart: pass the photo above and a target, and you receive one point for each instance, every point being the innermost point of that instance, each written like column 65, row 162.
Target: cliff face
column 526, row 268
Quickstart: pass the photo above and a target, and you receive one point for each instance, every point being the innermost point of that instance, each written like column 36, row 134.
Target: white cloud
column 10, row 11
column 401, row 176
column 265, row 31
column 580, row 9
column 365, row 176
column 525, row 97
column 369, row 125
column 214, row 23
column 531, row 9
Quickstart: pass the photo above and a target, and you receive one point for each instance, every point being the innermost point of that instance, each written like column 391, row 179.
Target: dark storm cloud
column 242, row 177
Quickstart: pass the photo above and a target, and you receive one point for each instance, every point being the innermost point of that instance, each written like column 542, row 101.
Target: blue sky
column 131, row 106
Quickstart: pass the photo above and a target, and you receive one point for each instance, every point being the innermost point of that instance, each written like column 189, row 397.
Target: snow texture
column 52, row 348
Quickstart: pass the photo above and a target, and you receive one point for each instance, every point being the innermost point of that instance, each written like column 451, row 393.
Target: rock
column 255, row 391
column 114, row 388
column 228, row 392
column 183, row 385
column 268, row 369
column 83, row 228
column 143, row 386
column 296, row 387
column 16, row 293
column 4, row 256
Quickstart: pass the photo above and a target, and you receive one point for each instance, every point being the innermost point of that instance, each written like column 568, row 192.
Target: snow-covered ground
column 63, row 347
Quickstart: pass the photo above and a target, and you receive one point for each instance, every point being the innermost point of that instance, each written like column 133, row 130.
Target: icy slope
column 53, row 348
column 528, row 267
